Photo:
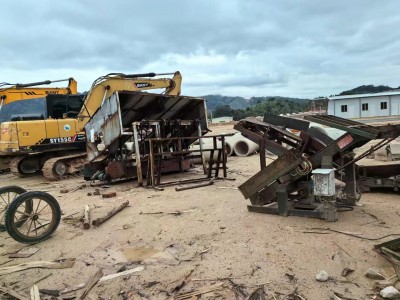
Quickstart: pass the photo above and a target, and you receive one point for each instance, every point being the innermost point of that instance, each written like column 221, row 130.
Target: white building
column 222, row 120
column 365, row 105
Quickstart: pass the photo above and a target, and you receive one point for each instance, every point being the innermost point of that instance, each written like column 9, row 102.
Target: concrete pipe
column 230, row 142
column 245, row 147
column 206, row 154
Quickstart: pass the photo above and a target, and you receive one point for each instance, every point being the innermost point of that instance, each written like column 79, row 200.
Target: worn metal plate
column 268, row 175
column 287, row 122
column 105, row 123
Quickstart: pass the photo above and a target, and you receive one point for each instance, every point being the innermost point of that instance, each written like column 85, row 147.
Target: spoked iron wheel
column 38, row 224
column 7, row 195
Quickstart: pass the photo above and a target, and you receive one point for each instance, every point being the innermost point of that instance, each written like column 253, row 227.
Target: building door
column 394, row 109
column 365, row 110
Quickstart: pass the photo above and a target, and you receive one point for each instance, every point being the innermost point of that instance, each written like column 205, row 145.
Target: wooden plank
column 99, row 221
column 55, row 264
column 91, row 283
column 127, row 272
column 268, row 175
column 35, row 295
column 73, row 289
column 86, row 217
column 15, row 294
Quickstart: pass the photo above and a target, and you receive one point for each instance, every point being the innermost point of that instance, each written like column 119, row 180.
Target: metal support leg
column 153, row 184
column 203, row 162
column 138, row 159
column 329, row 209
column 351, row 184
column 224, row 156
column 282, row 197
column 263, row 162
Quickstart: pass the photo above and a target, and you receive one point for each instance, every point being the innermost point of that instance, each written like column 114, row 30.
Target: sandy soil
column 214, row 239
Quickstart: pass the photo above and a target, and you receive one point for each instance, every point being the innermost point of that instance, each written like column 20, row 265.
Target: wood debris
column 101, row 220
column 90, row 284
column 15, row 294
column 200, row 291
column 124, row 273
column 86, row 217
column 35, row 282
column 35, row 295
column 55, row 264
column 72, row 289
column 25, row 252
column 109, row 195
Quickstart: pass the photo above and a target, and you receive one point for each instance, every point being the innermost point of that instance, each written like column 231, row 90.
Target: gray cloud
column 249, row 48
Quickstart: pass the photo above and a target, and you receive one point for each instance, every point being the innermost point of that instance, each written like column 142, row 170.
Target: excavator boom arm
column 24, row 91
column 106, row 86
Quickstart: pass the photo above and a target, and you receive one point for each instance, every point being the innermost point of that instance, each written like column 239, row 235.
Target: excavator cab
column 31, row 109
column 64, row 106
column 53, row 106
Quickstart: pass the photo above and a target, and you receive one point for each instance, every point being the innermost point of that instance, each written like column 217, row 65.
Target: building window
column 383, row 105
column 365, row 106
column 344, row 108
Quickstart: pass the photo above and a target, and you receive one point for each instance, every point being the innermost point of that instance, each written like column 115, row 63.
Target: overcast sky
column 230, row 47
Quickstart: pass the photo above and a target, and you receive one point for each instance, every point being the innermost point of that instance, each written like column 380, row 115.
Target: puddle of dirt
column 140, row 253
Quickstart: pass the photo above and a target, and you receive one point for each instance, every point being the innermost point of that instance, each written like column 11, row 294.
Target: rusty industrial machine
column 142, row 135
column 301, row 181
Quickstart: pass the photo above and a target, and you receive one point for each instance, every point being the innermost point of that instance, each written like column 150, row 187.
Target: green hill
column 367, row 89
column 213, row 101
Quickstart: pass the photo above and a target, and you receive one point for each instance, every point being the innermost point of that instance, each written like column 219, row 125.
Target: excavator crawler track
column 4, row 166
column 14, row 166
column 60, row 167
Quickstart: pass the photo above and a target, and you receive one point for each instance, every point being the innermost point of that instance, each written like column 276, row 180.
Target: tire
column 7, row 195
column 22, row 232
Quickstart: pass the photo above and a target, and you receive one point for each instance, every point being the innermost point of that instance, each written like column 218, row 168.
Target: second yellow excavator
column 24, row 98
column 54, row 141
column 21, row 91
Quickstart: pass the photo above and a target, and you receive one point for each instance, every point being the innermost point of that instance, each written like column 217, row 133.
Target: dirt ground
column 203, row 237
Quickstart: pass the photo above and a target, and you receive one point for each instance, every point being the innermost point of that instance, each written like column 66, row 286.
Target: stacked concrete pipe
column 245, row 147
column 230, row 142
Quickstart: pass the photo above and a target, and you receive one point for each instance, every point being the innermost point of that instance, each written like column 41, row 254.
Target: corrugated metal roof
column 391, row 93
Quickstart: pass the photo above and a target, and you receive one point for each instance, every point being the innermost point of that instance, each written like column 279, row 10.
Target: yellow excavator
column 10, row 94
column 54, row 142
column 21, row 91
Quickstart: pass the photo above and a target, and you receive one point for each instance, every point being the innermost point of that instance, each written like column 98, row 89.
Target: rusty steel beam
column 279, row 167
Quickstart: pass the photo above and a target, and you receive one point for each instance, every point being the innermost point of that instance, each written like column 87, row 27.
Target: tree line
column 260, row 106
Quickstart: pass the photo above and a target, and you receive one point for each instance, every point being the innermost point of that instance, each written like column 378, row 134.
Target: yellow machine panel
column 31, row 132
column 52, row 127
column 66, row 129
column 8, row 138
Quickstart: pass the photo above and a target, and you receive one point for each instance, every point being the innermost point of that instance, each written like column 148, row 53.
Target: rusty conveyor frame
column 313, row 146
column 116, row 122
column 157, row 154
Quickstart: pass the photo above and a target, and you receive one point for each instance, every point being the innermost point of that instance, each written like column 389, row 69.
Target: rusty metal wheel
column 7, row 195
column 38, row 224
